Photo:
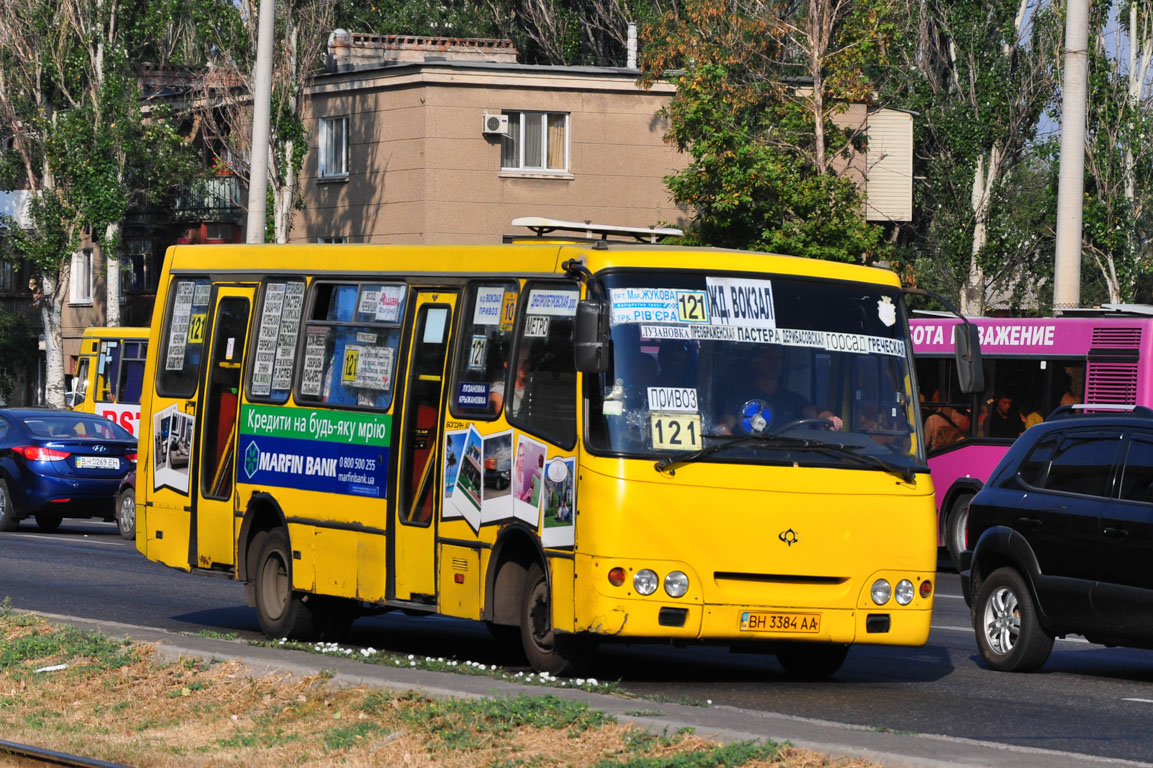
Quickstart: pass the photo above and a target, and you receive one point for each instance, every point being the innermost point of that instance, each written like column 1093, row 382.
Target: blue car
column 57, row 464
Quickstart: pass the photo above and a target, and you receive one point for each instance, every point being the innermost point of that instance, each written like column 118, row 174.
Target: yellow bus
column 568, row 440
column 109, row 374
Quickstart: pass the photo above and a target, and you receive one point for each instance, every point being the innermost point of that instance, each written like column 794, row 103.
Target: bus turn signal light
column 926, row 588
column 617, row 576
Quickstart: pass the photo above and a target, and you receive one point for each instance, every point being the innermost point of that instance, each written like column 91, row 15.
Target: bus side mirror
column 591, row 347
column 970, row 371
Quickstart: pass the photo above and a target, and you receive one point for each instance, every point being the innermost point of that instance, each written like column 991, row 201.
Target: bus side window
column 543, row 397
column 351, row 345
column 481, row 370
column 110, row 352
column 132, row 372
column 182, row 340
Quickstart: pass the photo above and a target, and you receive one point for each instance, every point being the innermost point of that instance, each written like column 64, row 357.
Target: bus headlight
column 905, row 592
column 645, row 581
column 881, row 591
column 676, row 584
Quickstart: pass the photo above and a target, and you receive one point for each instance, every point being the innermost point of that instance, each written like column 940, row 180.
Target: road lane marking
column 84, row 540
column 970, row 629
column 951, row 597
column 1140, row 701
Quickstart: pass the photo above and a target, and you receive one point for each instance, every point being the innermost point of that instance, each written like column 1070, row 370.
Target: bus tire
column 546, row 650
column 956, row 527
column 8, row 518
column 282, row 611
column 1009, row 636
column 812, row 661
column 48, row 521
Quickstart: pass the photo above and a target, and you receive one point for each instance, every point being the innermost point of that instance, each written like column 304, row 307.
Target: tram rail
column 53, row 757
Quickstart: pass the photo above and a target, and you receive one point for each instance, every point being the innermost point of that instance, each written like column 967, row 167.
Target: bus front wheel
column 282, row 611
column 814, row 661
column 548, row 651
column 956, row 528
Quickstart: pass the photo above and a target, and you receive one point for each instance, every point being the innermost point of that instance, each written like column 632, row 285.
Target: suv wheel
column 956, row 528
column 1008, row 634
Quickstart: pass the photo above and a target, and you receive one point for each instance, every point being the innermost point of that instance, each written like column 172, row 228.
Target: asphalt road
column 1087, row 699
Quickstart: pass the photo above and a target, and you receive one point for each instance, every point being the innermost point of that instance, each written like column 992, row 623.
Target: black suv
column 1062, row 540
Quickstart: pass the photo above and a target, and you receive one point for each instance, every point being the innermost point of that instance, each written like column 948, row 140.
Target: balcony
column 215, row 199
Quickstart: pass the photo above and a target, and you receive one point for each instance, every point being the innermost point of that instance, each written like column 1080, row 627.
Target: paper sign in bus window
column 266, row 339
column 390, row 304
column 489, row 305
column 476, row 353
column 676, row 399
column 536, row 326
column 200, row 297
column 740, row 301
column 508, row 312
column 311, row 376
column 374, row 368
column 675, row 431
column 178, row 334
column 369, row 301
column 559, row 303
column 289, row 328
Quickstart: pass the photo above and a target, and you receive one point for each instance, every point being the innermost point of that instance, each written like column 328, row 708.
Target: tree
column 1118, row 159
column 69, row 100
column 979, row 74
column 758, row 85
column 302, row 29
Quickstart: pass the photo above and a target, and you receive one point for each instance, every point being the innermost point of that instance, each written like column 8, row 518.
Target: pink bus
column 1031, row 367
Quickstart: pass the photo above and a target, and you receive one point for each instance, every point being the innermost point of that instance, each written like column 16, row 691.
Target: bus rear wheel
column 282, row 611
column 548, row 651
column 814, row 661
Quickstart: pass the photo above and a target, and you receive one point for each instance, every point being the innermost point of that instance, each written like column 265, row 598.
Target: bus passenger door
column 215, row 504
column 413, row 528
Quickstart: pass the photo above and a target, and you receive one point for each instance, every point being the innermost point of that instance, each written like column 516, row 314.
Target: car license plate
column 97, row 462
column 752, row 621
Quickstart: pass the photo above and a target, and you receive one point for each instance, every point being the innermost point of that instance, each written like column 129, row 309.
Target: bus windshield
column 771, row 365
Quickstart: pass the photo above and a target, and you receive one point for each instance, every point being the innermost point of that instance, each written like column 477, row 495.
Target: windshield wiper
column 840, row 450
column 772, row 441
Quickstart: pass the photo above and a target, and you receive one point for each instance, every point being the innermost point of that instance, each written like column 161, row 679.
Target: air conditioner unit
column 495, row 123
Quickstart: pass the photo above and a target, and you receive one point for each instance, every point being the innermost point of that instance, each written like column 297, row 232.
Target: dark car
column 57, row 464
column 1062, row 540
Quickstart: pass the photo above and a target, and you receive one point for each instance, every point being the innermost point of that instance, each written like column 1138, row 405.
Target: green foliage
column 758, row 178
column 979, row 93
column 68, row 643
column 472, row 723
column 727, row 756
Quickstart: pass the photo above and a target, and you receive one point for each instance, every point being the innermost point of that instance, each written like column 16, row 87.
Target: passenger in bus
column 675, row 363
column 1076, row 389
column 496, row 392
column 1004, row 419
column 945, row 426
column 785, row 406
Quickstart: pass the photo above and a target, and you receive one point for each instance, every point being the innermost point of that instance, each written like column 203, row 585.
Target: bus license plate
column 97, row 462
column 780, row 622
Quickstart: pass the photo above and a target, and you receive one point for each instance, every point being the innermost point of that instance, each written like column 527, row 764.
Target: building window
column 7, row 277
column 81, row 280
column 333, row 147
column 332, row 239
column 536, row 141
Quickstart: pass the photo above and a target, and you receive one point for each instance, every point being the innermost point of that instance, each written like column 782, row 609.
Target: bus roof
column 523, row 258
column 118, row 331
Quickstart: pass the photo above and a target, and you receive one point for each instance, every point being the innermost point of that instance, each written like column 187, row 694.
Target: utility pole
column 1071, row 178
column 261, row 112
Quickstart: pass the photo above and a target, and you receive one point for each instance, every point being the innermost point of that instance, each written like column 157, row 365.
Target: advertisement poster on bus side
column 497, row 478
column 462, row 498
column 328, row 451
column 528, row 479
column 171, row 448
column 559, row 503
